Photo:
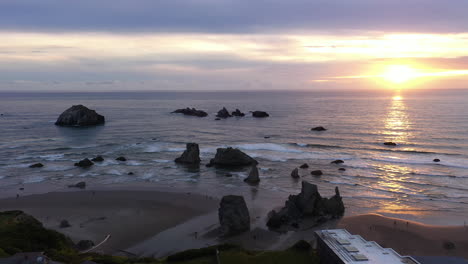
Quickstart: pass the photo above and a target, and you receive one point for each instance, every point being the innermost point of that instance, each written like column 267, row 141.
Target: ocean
column 397, row 180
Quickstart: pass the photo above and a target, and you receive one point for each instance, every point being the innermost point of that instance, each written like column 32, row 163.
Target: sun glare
column 400, row 74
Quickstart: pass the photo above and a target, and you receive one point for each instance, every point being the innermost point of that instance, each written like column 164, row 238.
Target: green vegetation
column 20, row 232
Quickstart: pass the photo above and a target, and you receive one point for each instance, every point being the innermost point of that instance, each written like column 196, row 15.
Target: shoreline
column 409, row 237
column 158, row 223
column 129, row 217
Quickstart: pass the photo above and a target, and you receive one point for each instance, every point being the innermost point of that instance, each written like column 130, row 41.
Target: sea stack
column 319, row 128
column 233, row 215
column 191, row 154
column 295, row 173
column 253, row 176
column 230, row 157
column 79, row 115
column 223, row 113
column 308, row 203
column 260, row 114
column 191, row 112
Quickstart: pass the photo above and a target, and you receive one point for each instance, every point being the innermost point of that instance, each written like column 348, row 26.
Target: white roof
column 354, row 249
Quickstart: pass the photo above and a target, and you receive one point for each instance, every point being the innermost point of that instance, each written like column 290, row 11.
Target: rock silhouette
column 79, row 115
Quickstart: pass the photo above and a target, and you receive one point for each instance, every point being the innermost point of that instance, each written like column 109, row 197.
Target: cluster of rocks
column 79, row 115
column 85, row 163
column 191, row 112
column 234, row 217
column 295, row 172
column 308, row 203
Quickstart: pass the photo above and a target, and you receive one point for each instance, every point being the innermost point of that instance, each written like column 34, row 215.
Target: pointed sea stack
column 79, row 115
column 191, row 155
column 223, row 113
column 253, row 176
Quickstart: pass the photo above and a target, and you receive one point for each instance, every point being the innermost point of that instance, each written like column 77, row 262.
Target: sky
column 110, row 45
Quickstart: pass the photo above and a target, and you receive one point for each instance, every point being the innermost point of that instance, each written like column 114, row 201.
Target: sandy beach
column 128, row 216
column 158, row 223
column 407, row 237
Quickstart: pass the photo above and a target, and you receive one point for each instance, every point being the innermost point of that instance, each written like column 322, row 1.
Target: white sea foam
column 34, row 179
column 133, row 163
column 162, row 147
column 57, row 167
column 268, row 146
column 161, row 161
column 52, row 157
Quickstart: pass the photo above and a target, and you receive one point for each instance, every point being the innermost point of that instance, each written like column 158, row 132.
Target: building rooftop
column 355, row 249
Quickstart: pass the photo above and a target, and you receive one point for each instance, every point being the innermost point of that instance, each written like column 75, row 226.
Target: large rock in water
column 238, row 113
column 191, row 112
column 230, row 157
column 79, row 115
column 233, row 215
column 191, row 155
column 253, row 176
column 308, row 203
column 223, row 113
column 260, row 114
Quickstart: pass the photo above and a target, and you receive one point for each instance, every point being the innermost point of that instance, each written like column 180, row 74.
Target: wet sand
column 407, row 237
column 158, row 223
column 128, row 216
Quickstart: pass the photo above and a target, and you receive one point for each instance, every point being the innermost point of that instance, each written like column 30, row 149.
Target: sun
column 399, row 74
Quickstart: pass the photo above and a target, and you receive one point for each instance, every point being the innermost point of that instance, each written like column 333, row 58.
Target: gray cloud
column 234, row 16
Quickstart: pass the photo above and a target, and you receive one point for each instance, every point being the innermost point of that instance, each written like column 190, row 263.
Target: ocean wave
column 52, row 157
column 55, row 167
column 412, row 161
column 161, row 161
column 269, row 147
column 162, row 147
column 314, row 145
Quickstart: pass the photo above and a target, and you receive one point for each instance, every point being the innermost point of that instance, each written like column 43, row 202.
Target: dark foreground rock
column 191, row 112
column 390, row 144
column 84, row 163
column 237, row 113
column 230, row 157
column 260, row 114
column 223, row 113
column 316, row 172
column 79, row 115
column 308, row 203
column 191, row 154
column 337, row 162
column 304, row 166
column 319, row 128
column 253, row 177
column 121, row 159
column 36, row 165
column 98, row 159
column 81, row 185
column 295, row 173
column 233, row 215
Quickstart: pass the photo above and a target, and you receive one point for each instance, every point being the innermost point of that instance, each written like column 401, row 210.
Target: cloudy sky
column 232, row 44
